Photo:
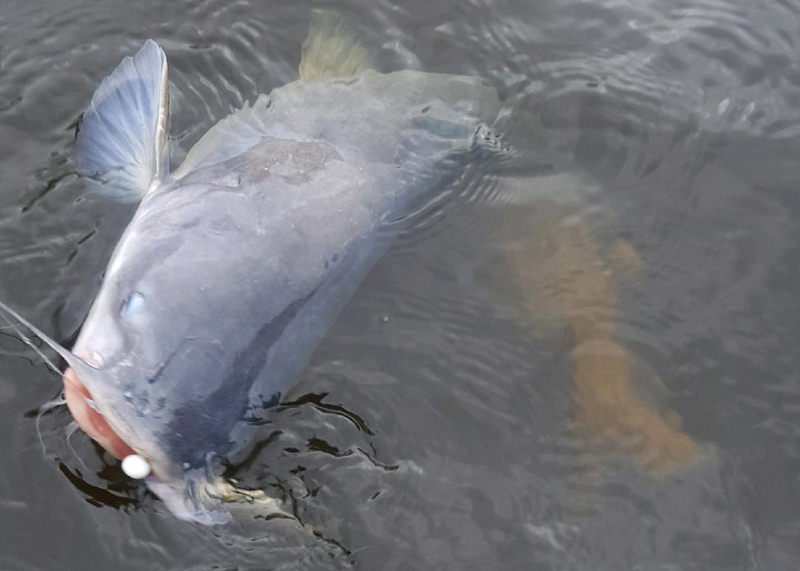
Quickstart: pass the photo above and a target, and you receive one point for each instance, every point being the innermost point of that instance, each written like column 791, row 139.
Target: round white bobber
column 135, row 466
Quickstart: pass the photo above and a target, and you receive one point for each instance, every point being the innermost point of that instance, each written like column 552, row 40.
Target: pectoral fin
column 122, row 137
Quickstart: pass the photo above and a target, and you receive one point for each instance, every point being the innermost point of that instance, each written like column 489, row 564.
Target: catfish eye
column 132, row 305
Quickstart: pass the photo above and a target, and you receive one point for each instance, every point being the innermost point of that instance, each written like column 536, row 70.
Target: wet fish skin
column 235, row 266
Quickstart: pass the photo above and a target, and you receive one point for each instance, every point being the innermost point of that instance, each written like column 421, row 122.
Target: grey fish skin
column 234, row 267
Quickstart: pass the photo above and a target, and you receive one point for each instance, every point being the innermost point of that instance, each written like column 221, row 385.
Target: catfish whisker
column 72, row 428
column 30, row 343
column 45, row 408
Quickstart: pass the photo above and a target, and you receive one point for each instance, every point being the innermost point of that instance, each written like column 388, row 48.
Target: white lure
column 136, row 467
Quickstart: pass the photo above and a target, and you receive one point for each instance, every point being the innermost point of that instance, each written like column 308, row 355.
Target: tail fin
column 331, row 48
column 122, row 137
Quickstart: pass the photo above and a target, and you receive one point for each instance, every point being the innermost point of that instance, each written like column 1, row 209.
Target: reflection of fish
column 563, row 274
column 236, row 264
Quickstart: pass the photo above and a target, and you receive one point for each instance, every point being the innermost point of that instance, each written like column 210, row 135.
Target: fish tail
column 331, row 48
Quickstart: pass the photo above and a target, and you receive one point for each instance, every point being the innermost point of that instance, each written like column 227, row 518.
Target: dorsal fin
column 122, row 137
column 331, row 48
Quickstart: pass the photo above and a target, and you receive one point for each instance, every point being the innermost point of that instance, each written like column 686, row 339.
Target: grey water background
column 431, row 430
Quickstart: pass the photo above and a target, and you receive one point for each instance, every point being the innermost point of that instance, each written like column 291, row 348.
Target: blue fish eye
column 132, row 305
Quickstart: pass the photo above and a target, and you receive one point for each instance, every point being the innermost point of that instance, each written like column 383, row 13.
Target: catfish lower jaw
column 91, row 421
column 191, row 497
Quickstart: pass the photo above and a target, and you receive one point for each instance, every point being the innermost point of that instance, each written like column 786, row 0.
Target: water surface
column 437, row 426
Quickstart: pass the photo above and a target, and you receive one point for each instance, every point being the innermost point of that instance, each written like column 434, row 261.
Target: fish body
column 235, row 266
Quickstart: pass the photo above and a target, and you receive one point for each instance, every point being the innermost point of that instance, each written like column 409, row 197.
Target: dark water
column 437, row 427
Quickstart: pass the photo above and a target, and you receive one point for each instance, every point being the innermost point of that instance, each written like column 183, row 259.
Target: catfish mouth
column 80, row 404
column 190, row 498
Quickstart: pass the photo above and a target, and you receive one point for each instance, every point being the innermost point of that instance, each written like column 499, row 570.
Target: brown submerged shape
column 569, row 275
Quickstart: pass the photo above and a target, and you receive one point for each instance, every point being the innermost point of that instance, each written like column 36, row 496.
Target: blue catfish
column 236, row 264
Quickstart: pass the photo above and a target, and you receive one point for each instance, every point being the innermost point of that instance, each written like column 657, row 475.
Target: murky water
column 582, row 356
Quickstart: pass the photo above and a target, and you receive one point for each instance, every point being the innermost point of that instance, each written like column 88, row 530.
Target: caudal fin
column 331, row 48
column 122, row 137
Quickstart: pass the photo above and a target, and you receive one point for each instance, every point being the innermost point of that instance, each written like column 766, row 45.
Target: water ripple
column 434, row 428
